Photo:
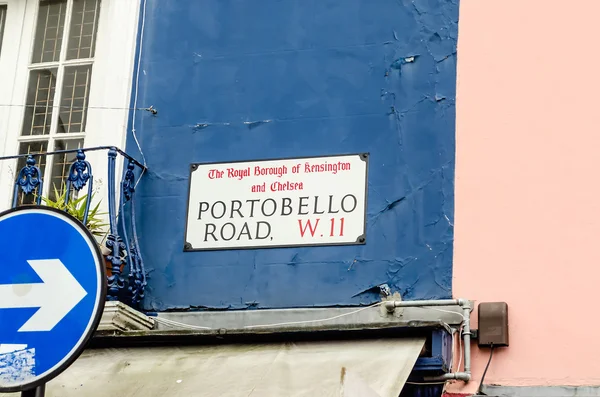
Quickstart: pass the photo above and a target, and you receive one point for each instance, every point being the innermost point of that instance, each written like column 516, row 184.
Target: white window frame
column 110, row 87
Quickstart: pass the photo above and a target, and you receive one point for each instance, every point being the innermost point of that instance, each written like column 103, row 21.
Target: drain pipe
column 466, row 313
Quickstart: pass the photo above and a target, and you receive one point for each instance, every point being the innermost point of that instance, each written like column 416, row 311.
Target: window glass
column 39, row 103
column 84, row 25
column 58, row 91
column 3, row 10
column 75, row 94
column 49, row 31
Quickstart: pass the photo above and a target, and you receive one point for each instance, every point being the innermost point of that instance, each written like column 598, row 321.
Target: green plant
column 76, row 207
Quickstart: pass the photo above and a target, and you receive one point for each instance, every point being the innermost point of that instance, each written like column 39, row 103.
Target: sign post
column 52, row 293
column 39, row 391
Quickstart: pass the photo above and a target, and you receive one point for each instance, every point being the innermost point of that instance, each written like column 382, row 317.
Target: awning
column 365, row 368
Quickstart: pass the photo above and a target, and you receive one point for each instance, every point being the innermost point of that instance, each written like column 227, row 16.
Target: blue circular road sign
column 52, row 292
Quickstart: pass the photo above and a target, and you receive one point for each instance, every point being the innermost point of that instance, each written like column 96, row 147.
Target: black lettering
column 302, row 205
column 212, row 210
column 212, row 232
column 258, row 236
column 316, row 206
column 262, row 207
column 252, row 206
column 331, row 211
column 238, row 204
column 245, row 231
column 202, row 204
column 286, row 203
column 232, row 231
column 354, row 205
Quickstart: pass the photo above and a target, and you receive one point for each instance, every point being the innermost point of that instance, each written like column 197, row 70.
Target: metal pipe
column 465, row 377
column 466, row 314
column 467, row 336
column 391, row 305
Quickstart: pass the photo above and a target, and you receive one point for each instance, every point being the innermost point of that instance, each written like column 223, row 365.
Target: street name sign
column 52, row 293
column 291, row 202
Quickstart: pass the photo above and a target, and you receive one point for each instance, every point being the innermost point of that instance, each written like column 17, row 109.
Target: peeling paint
column 17, row 366
column 254, row 124
column 279, row 79
column 200, row 126
column 398, row 63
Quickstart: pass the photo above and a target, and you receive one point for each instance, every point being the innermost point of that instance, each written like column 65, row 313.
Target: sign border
column 84, row 340
column 361, row 240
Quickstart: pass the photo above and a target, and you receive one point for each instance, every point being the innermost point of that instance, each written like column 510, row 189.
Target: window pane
column 84, row 25
column 2, row 23
column 40, row 99
column 75, row 94
column 27, row 148
column 49, row 31
column 62, row 163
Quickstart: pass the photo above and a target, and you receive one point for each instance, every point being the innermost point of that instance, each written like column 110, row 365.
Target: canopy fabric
column 365, row 368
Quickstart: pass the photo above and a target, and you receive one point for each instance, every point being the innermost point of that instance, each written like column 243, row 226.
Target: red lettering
column 215, row 174
column 277, row 171
column 341, row 227
column 310, row 227
column 239, row 174
column 334, row 168
column 280, row 187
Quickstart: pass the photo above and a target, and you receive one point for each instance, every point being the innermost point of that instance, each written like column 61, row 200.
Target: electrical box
column 493, row 324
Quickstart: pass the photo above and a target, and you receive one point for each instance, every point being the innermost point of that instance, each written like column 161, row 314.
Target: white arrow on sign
column 57, row 294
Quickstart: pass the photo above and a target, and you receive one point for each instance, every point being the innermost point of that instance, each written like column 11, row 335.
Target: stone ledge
column 306, row 319
column 118, row 317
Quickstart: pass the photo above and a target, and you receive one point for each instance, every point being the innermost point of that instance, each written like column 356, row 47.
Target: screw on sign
column 52, row 292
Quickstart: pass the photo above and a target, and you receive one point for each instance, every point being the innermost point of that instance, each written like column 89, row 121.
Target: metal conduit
column 466, row 309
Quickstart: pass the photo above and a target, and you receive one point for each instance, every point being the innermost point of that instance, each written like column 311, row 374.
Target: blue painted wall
column 335, row 77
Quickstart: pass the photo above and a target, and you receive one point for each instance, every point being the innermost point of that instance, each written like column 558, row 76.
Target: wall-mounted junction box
column 493, row 324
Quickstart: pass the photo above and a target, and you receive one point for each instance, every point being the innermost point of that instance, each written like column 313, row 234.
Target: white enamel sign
column 277, row 203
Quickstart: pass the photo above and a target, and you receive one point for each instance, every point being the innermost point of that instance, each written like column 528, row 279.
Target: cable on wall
column 150, row 109
column 479, row 392
column 137, row 84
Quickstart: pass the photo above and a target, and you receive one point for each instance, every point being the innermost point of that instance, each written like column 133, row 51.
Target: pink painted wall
column 528, row 184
